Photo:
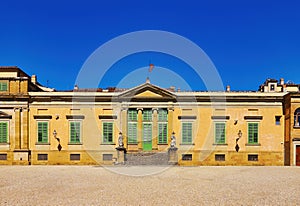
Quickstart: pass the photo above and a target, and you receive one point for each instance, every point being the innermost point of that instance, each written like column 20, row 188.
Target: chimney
column 178, row 90
column 34, row 79
column 172, row 88
column 227, row 88
column 281, row 81
column 76, row 87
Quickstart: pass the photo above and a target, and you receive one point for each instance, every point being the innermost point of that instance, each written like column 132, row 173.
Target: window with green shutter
column 132, row 132
column 132, row 126
column 107, row 132
column 132, row 115
column 162, row 133
column 75, row 132
column 3, row 86
column 252, row 133
column 162, row 126
column 220, row 133
column 42, row 132
column 3, row 132
column 147, row 115
column 147, row 132
column 186, row 133
column 163, row 115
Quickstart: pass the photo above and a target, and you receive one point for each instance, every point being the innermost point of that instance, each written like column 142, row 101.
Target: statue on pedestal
column 173, row 140
column 120, row 140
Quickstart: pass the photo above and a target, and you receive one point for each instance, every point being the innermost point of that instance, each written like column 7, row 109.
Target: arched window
column 297, row 117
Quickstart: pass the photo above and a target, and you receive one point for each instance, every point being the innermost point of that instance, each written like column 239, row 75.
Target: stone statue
column 120, row 140
column 173, row 140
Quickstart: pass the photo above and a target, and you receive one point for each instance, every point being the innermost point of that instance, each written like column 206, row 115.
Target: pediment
column 3, row 115
column 148, row 91
column 148, row 94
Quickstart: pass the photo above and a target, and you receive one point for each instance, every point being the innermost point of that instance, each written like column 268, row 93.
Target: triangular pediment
column 148, row 91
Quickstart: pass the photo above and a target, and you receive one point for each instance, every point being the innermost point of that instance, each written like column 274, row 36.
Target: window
column 107, row 132
column 3, row 132
column 3, row 156
column 272, row 87
column 252, row 133
column 277, row 120
column 75, row 132
column 297, row 117
column 147, row 132
column 132, row 133
column 252, row 157
column 162, row 115
column 132, row 115
column 162, row 133
column 186, row 133
column 220, row 133
column 162, row 126
column 42, row 157
column 3, row 86
column 219, row 157
column 75, row 157
column 42, row 132
column 132, row 126
column 187, row 157
column 147, row 115
column 107, row 157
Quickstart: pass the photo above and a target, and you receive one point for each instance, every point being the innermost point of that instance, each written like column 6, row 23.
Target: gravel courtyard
column 149, row 185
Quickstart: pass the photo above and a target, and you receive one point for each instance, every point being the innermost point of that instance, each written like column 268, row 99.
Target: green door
column 147, row 137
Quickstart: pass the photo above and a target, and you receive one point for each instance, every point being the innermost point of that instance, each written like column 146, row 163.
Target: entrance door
column 297, row 155
column 147, row 136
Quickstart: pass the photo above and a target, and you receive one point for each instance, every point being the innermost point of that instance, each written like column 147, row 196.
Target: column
column 140, row 128
column 154, row 132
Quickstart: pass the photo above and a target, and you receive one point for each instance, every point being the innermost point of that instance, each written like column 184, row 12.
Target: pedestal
column 173, row 156
column 121, row 151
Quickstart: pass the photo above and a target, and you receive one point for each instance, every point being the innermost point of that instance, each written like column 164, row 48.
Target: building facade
column 39, row 125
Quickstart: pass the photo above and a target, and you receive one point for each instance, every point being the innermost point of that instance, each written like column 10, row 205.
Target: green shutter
column 220, row 133
column 147, row 115
column 132, row 132
column 162, row 115
column 107, row 132
column 75, row 132
column 3, row 132
column 162, row 133
column 147, row 132
column 3, row 86
column 132, row 115
column 252, row 133
column 42, row 132
column 187, row 133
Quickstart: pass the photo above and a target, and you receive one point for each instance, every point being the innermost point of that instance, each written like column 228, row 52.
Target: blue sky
column 248, row 41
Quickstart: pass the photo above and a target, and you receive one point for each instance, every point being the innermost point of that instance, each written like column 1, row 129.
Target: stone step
column 147, row 158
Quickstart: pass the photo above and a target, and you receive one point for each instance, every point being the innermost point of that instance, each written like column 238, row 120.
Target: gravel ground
column 149, row 185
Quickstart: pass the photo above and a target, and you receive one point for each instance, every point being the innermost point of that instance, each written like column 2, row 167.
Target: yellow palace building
column 147, row 124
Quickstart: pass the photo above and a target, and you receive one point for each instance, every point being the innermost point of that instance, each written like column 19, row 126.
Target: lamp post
column 59, row 147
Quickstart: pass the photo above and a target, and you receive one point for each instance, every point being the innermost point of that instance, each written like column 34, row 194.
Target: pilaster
column 124, row 125
column 17, row 137
column 24, row 129
column 170, row 122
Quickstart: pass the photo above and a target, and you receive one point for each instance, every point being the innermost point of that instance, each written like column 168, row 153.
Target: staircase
column 147, row 158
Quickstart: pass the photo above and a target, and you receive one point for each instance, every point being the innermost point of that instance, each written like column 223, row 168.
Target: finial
column 148, row 80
